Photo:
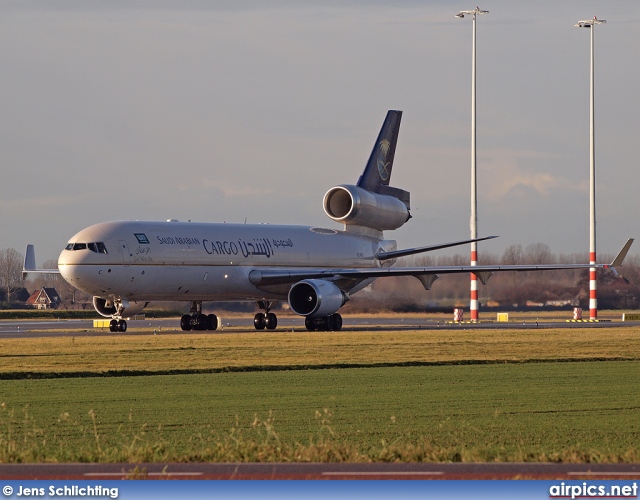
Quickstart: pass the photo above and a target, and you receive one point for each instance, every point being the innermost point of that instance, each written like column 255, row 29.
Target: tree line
column 565, row 288
column 507, row 290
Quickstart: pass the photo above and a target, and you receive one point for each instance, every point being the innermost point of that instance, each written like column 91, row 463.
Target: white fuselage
column 168, row 261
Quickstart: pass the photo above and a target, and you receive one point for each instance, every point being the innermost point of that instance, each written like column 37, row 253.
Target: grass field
column 468, row 395
column 246, row 350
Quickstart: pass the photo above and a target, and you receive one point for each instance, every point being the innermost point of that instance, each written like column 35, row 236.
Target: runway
column 78, row 328
column 345, row 471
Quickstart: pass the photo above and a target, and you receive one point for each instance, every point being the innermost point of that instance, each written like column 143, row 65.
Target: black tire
column 310, row 324
column 259, row 321
column 185, row 322
column 212, row 322
column 113, row 325
column 271, row 321
column 122, row 326
column 202, row 322
column 328, row 324
column 337, row 322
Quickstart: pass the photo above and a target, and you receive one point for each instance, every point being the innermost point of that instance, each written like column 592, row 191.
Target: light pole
column 473, row 303
column 593, row 282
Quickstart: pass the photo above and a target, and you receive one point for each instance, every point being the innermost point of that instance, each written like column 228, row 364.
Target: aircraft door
column 124, row 250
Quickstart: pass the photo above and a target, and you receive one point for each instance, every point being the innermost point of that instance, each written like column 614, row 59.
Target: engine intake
column 353, row 205
column 315, row 298
column 121, row 308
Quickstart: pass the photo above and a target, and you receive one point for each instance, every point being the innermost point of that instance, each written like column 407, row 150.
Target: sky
column 250, row 111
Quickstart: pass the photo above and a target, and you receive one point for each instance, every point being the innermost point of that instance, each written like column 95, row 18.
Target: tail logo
column 383, row 164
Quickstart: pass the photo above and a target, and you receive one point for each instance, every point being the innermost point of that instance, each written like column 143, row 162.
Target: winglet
column 622, row 254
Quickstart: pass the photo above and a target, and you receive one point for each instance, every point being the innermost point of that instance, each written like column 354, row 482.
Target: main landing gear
column 266, row 319
column 331, row 323
column 198, row 321
column 118, row 325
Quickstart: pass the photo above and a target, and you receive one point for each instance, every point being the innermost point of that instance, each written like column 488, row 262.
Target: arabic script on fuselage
column 256, row 247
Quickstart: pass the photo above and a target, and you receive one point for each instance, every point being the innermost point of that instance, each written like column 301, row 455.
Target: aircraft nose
column 63, row 258
column 65, row 264
column 70, row 263
column 69, row 257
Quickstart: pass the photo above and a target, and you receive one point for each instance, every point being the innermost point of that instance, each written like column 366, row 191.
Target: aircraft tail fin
column 378, row 170
column 29, row 259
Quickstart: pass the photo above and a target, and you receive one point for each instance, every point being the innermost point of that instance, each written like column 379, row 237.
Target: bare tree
column 10, row 271
column 512, row 255
column 50, row 264
column 538, row 253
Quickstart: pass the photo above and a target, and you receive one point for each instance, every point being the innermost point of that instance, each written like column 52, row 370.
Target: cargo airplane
column 126, row 264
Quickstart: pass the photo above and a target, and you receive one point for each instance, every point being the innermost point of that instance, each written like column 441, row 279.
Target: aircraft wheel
column 185, row 322
column 212, row 322
column 271, row 321
column 122, row 326
column 310, row 324
column 259, row 321
column 328, row 323
column 203, row 322
column 113, row 325
column 337, row 322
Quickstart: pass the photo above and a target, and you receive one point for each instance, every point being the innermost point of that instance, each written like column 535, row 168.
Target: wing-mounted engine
column 118, row 308
column 356, row 207
column 372, row 206
column 315, row 298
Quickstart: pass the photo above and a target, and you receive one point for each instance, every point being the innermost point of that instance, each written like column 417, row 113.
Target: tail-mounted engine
column 355, row 206
column 117, row 308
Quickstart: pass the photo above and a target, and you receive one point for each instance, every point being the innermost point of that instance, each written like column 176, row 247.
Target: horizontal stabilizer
column 412, row 251
column 29, row 265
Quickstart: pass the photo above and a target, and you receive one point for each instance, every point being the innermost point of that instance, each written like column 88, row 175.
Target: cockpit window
column 97, row 247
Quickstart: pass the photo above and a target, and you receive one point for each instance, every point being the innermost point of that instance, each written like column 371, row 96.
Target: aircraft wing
column 427, row 275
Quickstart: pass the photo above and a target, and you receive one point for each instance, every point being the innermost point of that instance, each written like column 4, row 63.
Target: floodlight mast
column 473, row 303
column 593, row 282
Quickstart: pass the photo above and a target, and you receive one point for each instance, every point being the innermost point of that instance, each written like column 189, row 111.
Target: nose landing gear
column 118, row 325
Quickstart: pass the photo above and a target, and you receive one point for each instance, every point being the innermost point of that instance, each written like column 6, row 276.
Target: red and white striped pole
column 593, row 283
column 593, row 288
column 473, row 302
